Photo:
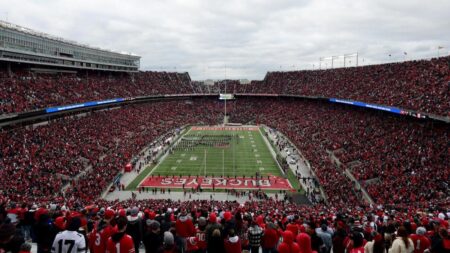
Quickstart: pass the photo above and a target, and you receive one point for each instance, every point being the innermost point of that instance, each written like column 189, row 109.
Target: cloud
column 243, row 39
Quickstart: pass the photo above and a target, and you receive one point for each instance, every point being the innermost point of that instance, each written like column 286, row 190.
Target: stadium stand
column 389, row 152
column 54, row 170
column 415, row 85
column 27, row 91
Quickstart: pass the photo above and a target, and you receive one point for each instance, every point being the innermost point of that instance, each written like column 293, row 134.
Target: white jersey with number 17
column 69, row 242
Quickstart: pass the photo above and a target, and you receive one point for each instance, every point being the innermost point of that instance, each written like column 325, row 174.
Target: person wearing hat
column 134, row 227
column 421, row 242
column 201, row 234
column 102, row 231
column 120, row 242
column 288, row 245
column 70, row 240
column 184, row 226
column 152, row 238
column 270, row 238
column 169, row 245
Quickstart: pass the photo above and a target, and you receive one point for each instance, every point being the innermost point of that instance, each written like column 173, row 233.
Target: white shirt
column 69, row 242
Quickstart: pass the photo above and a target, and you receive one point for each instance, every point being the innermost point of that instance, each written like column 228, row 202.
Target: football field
column 214, row 152
column 225, row 157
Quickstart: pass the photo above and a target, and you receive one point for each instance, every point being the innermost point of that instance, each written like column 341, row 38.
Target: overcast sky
column 244, row 39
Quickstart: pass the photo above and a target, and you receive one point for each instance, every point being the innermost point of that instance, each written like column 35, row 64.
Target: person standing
column 120, row 242
column 70, row 241
column 255, row 234
column 402, row 244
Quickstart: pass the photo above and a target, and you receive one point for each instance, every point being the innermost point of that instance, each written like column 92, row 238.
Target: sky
column 238, row 39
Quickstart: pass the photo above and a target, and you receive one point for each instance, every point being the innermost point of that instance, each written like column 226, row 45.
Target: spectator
column 255, row 234
column 152, row 238
column 232, row 243
column 70, row 241
column 120, row 242
column 288, row 245
column 402, row 244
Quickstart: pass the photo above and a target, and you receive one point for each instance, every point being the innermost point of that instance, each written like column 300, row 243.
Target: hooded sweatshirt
column 233, row 245
column 304, row 242
column 125, row 241
column 185, row 227
column 288, row 245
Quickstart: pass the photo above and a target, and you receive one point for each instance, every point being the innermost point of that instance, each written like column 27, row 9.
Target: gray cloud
column 248, row 37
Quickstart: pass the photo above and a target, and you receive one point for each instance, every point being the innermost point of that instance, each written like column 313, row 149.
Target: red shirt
column 185, row 227
column 421, row 243
column 233, row 245
column 99, row 239
column 124, row 245
column 201, row 236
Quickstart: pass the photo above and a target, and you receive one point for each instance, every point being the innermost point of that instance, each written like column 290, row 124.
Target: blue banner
column 87, row 104
column 373, row 106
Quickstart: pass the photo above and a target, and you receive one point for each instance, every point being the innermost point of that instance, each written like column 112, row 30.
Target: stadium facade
column 23, row 45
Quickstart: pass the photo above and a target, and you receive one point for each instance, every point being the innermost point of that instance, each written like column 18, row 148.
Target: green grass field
column 229, row 153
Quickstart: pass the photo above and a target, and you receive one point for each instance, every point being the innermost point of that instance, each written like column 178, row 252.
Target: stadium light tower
column 225, row 120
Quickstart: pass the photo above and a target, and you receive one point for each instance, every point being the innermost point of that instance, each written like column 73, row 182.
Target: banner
column 87, row 104
column 372, row 106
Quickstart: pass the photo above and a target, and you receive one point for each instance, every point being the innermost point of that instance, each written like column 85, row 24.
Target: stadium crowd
column 25, row 91
column 403, row 161
column 53, row 173
column 98, row 144
column 416, row 85
column 221, row 226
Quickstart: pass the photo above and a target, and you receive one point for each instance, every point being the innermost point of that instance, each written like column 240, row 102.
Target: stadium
column 325, row 160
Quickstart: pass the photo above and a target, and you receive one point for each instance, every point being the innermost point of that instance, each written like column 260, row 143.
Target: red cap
column 212, row 217
column 109, row 214
column 60, row 223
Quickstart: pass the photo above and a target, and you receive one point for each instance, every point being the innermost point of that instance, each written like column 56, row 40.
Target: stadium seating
column 408, row 158
column 382, row 152
column 106, row 140
column 26, row 92
column 416, row 85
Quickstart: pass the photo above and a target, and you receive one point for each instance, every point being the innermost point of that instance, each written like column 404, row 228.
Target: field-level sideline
column 223, row 128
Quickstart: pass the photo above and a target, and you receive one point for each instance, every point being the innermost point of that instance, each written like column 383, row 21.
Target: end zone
column 264, row 183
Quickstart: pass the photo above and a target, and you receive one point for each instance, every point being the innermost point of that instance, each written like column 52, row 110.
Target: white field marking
column 261, row 168
column 253, row 146
column 258, row 161
column 241, row 136
column 193, row 158
column 174, row 168
column 183, row 155
column 256, row 155
column 252, row 142
column 179, row 161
